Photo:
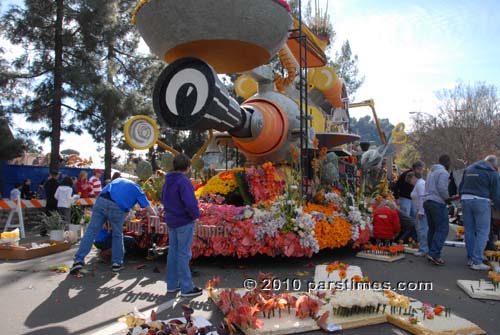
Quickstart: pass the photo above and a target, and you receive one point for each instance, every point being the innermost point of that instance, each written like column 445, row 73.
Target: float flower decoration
column 335, row 199
column 223, row 183
column 240, row 235
column 266, row 182
column 335, row 234
column 360, row 226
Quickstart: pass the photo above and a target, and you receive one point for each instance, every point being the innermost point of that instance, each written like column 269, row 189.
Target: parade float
column 299, row 190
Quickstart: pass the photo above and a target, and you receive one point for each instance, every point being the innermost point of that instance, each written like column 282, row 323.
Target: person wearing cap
column 112, row 204
column 95, row 183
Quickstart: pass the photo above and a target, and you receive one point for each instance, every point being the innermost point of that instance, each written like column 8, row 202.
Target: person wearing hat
column 95, row 182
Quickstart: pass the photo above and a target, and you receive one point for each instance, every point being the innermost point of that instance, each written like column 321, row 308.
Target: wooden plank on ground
column 382, row 258
column 479, row 289
column 440, row 325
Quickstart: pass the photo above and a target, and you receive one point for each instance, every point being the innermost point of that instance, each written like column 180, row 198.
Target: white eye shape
column 186, row 85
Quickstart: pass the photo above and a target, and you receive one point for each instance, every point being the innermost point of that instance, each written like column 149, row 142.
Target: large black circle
column 183, row 121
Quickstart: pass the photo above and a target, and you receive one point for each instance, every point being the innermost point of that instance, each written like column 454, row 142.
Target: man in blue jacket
column 112, row 204
column 435, row 198
column 479, row 185
column 181, row 210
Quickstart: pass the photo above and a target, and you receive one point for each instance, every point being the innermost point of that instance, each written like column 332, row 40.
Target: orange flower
column 227, row 175
column 342, row 274
column 330, row 268
column 356, row 278
column 333, row 235
column 319, row 197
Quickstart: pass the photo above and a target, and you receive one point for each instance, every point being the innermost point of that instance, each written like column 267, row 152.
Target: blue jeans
column 422, row 228
column 439, row 226
column 406, row 206
column 180, row 242
column 103, row 210
column 477, row 220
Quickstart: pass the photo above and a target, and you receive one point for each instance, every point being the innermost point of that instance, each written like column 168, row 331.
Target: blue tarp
column 13, row 174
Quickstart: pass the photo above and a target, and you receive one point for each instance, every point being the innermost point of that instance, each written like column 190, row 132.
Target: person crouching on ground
column 113, row 204
column 479, row 185
column 386, row 222
column 181, row 210
column 104, row 242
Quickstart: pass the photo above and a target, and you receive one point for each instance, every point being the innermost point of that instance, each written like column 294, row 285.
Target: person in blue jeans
column 421, row 225
column 403, row 189
column 112, row 204
column 435, row 198
column 181, row 210
column 479, row 185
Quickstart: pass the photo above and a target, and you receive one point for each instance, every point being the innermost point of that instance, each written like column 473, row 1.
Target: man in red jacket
column 386, row 224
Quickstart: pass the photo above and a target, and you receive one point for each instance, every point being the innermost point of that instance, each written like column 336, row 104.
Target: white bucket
column 56, row 235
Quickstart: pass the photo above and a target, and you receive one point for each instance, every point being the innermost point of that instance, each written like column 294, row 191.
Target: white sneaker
column 480, row 267
column 470, row 262
column 419, row 254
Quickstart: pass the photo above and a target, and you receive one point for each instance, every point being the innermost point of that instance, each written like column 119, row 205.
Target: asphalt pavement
column 38, row 301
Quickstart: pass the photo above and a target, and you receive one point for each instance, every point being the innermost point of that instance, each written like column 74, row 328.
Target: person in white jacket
column 64, row 197
column 421, row 225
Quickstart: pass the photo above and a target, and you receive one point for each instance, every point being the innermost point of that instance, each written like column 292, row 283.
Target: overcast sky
column 407, row 51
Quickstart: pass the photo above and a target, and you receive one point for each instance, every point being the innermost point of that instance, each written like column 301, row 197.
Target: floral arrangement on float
column 258, row 210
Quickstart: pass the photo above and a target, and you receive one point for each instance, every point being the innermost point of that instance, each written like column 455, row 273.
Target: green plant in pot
column 54, row 224
column 77, row 213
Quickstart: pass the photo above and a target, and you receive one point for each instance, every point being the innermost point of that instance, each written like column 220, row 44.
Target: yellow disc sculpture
column 141, row 132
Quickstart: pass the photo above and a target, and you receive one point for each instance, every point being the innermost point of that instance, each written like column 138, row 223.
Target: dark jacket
column 179, row 201
column 386, row 224
column 482, row 180
column 50, row 189
column 402, row 188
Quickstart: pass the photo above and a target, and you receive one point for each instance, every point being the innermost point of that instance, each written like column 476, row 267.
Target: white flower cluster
column 355, row 232
column 359, row 222
column 334, row 198
column 268, row 223
column 304, row 225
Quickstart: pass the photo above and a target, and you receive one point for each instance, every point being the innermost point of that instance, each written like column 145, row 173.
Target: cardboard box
column 23, row 251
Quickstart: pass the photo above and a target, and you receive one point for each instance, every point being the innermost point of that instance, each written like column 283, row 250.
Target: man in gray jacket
column 435, row 198
column 479, row 185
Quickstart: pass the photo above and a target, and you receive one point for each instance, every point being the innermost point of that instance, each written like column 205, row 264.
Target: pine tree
column 52, row 61
column 346, row 65
column 124, row 83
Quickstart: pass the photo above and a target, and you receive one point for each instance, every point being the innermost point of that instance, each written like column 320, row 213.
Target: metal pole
column 301, row 112
column 226, row 156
